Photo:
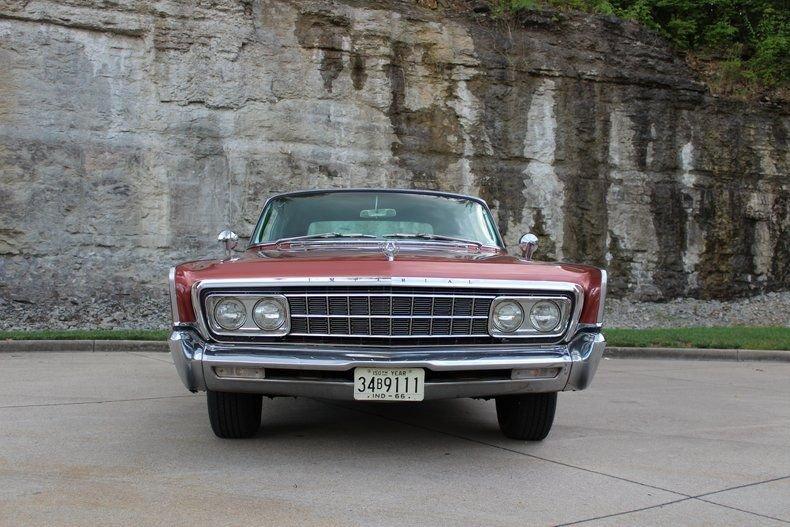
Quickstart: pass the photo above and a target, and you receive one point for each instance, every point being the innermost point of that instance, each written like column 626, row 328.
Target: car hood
column 329, row 263
column 459, row 265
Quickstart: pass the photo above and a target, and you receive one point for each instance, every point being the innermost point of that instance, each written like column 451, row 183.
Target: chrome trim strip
column 343, row 362
column 602, row 298
column 465, row 317
column 377, row 244
column 409, row 281
column 404, row 295
column 374, row 336
column 540, row 287
column 370, row 351
column 587, row 327
column 171, row 279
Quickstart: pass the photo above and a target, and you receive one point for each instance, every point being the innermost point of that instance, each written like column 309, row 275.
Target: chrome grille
column 391, row 315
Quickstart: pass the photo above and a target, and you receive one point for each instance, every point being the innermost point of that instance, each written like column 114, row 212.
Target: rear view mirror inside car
column 377, row 213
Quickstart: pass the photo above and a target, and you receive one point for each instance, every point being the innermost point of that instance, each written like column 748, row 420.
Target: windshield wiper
column 437, row 237
column 323, row 236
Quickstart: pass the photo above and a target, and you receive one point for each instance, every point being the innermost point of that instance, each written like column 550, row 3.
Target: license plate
column 389, row 384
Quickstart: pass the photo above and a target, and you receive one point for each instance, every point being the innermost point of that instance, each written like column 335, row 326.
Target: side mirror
column 528, row 244
column 230, row 239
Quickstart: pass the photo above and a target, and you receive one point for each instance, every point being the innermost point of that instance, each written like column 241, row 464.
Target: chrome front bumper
column 195, row 360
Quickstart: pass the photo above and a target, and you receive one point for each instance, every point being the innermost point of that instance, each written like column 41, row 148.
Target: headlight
column 230, row 313
column 269, row 314
column 508, row 316
column 545, row 315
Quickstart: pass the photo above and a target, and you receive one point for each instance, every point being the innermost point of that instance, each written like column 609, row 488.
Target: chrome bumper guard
column 196, row 359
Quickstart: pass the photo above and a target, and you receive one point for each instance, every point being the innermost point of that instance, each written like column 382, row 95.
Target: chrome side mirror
column 230, row 239
column 528, row 244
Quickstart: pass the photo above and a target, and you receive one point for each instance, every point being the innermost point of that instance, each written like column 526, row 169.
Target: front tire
column 234, row 415
column 526, row 416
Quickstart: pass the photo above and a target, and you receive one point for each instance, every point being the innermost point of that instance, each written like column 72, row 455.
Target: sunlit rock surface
column 130, row 134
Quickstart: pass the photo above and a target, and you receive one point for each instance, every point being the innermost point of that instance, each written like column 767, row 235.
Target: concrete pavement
column 115, row 439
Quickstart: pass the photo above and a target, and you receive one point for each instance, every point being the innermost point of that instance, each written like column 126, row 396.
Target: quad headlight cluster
column 529, row 316
column 251, row 315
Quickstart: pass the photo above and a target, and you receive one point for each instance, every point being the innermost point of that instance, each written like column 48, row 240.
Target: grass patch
column 87, row 334
column 738, row 337
column 735, row 337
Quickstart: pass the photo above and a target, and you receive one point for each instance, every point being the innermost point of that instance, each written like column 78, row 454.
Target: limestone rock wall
column 131, row 133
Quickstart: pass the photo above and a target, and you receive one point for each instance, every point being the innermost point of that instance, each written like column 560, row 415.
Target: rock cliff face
column 131, row 134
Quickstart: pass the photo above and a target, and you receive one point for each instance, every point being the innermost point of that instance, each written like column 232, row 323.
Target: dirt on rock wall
column 131, row 134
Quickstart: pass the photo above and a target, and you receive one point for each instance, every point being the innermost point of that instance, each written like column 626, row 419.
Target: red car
column 389, row 296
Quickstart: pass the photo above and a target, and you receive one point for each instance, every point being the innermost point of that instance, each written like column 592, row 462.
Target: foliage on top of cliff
column 742, row 48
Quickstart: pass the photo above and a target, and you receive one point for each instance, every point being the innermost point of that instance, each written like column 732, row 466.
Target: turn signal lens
column 240, row 372
column 535, row 373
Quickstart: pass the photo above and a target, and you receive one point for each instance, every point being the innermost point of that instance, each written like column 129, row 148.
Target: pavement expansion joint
column 512, row 450
column 744, row 511
column 780, row 478
column 151, row 358
column 615, row 514
column 95, row 402
column 686, row 497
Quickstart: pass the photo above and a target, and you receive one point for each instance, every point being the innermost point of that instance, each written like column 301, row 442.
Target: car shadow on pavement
column 333, row 420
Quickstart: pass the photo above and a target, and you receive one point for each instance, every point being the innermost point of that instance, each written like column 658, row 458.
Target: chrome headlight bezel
column 527, row 329
column 249, row 328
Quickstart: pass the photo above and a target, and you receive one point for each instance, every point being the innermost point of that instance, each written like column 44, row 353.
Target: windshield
column 376, row 214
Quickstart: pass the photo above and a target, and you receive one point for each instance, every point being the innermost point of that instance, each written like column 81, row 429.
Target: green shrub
column 753, row 35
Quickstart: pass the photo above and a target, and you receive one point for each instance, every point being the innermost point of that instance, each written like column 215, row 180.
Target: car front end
column 389, row 319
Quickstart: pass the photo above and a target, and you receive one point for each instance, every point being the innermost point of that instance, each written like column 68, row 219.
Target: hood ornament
column 390, row 250
column 229, row 239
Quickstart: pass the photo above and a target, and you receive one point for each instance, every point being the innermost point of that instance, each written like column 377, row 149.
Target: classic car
column 384, row 296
